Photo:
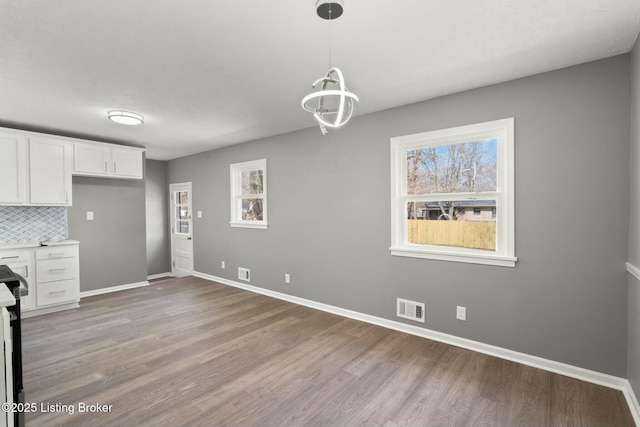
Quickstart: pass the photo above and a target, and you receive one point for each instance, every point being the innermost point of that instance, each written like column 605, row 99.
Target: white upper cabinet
column 37, row 168
column 127, row 162
column 50, row 171
column 91, row 159
column 15, row 170
column 107, row 160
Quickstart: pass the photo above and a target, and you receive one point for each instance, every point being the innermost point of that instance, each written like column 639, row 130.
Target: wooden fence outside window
column 463, row 234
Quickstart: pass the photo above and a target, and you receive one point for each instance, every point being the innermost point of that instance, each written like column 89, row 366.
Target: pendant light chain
column 330, row 36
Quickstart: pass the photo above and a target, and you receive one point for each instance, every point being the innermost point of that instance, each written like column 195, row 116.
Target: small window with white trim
column 249, row 194
column 452, row 194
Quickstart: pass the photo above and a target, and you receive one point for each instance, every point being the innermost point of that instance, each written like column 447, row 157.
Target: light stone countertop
column 19, row 245
column 24, row 245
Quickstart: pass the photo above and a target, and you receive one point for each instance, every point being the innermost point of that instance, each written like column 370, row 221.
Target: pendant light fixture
column 332, row 105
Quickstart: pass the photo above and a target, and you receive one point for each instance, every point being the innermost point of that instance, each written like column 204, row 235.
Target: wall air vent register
column 410, row 310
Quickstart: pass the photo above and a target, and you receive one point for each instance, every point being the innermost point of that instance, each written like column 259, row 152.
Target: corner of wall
column 633, row 266
column 633, row 331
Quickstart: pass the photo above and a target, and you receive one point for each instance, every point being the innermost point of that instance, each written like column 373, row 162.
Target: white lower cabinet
column 52, row 273
column 62, row 292
column 57, row 278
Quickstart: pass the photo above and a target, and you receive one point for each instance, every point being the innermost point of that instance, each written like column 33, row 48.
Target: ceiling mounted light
column 125, row 117
column 332, row 107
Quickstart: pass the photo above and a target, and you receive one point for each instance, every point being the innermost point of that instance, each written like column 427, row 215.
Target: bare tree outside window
column 468, row 167
column 249, row 194
column 452, row 194
column 252, row 183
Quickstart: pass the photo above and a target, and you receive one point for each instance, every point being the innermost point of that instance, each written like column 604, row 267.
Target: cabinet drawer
column 57, row 292
column 7, row 257
column 51, row 270
column 55, row 252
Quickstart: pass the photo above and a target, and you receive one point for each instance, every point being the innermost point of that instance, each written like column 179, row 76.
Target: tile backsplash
column 33, row 223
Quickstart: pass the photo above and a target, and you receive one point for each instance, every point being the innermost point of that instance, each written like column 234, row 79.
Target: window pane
column 182, row 227
column 462, row 223
column 252, row 209
column 252, row 182
column 455, row 168
column 182, row 197
column 182, row 212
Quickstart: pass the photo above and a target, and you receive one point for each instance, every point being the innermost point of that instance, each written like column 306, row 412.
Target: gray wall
column 113, row 245
column 329, row 218
column 157, row 205
column 633, row 361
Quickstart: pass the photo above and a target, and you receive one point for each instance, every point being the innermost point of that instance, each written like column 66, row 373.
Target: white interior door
column 181, row 230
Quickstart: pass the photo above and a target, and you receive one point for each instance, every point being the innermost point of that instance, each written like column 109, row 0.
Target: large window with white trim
column 249, row 194
column 452, row 194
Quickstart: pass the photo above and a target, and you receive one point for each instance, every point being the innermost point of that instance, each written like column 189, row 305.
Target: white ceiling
column 210, row 73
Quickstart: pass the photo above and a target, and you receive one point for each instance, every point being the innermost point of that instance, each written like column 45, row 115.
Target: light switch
column 89, row 216
column 199, row 214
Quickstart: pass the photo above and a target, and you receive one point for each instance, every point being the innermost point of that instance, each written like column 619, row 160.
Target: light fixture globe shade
column 125, row 117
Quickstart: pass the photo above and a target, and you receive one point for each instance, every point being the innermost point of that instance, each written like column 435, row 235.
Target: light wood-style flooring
column 189, row 352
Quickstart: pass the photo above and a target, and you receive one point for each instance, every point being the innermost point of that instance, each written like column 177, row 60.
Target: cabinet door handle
column 105, row 167
column 57, row 270
column 11, row 257
column 114, row 167
column 55, row 293
column 57, row 255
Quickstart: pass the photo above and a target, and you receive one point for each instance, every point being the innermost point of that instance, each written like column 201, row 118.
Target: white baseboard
column 632, row 401
column 159, row 276
column 594, row 377
column 113, row 289
column 631, row 398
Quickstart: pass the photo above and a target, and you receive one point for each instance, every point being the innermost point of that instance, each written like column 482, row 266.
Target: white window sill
column 472, row 258
column 261, row 225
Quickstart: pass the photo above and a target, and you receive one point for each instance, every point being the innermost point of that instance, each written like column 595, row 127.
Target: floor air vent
column 410, row 310
column 244, row 274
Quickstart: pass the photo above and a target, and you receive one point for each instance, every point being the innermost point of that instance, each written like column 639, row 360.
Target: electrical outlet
column 287, row 278
column 461, row 313
column 199, row 214
column 89, row 216
column 223, row 265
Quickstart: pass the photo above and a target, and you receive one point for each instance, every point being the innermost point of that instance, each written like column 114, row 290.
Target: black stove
column 12, row 281
column 7, row 275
